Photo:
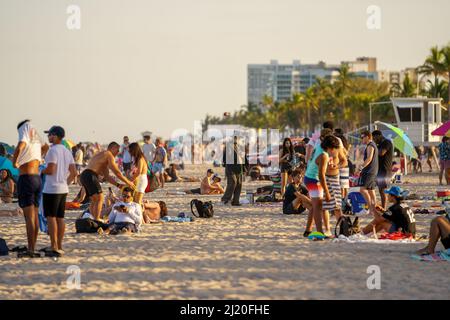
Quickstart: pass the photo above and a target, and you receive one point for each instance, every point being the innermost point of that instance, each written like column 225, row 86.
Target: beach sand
column 248, row 252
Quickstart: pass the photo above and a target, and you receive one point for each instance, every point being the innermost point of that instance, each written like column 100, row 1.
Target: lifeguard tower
column 418, row 117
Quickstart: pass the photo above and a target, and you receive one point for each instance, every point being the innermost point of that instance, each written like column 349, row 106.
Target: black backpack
column 4, row 251
column 346, row 226
column 204, row 209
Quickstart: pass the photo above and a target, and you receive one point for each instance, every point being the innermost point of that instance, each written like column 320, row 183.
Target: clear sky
column 160, row 65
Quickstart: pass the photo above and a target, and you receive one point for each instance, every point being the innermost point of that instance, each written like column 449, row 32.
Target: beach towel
column 359, row 238
column 177, row 219
column 435, row 257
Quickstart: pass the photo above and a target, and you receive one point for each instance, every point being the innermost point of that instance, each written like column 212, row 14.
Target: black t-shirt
column 289, row 194
column 385, row 162
column 402, row 216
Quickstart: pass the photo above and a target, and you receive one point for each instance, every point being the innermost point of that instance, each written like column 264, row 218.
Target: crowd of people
column 315, row 176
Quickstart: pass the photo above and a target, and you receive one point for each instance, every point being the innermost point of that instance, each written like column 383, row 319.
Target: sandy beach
column 248, row 252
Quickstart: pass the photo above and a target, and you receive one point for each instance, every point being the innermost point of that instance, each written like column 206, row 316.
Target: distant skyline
column 152, row 65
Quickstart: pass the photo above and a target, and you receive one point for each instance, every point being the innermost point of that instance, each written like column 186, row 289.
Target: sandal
column 53, row 254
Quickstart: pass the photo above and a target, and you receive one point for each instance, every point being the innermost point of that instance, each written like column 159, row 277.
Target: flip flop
column 53, row 254
column 19, row 249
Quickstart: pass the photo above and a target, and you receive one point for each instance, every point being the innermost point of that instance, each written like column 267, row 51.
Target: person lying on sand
column 399, row 217
column 126, row 215
column 171, row 175
column 439, row 229
column 154, row 211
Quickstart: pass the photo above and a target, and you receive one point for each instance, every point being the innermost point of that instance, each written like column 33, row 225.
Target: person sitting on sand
column 209, row 185
column 439, row 229
column 296, row 199
column 7, row 186
column 100, row 164
column 399, row 217
column 126, row 215
column 153, row 211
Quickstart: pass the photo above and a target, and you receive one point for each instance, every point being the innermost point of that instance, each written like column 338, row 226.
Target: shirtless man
column 27, row 157
column 100, row 164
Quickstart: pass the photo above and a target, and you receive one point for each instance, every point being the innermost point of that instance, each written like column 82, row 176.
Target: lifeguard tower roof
column 418, row 117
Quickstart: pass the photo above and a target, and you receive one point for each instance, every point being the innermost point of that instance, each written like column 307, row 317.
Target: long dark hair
column 8, row 175
column 163, row 207
column 285, row 149
column 136, row 152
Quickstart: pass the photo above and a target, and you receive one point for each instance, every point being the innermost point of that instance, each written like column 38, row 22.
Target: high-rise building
column 281, row 81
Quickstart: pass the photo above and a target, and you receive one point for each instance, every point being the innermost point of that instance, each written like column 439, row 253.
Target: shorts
column 446, row 242
column 126, row 166
column 368, row 182
column 142, row 182
column 286, row 168
column 116, row 227
column 334, row 187
column 79, row 167
column 196, row 191
column 29, row 190
column 393, row 228
column 158, row 167
column 382, row 181
column 91, row 184
column 54, row 205
column 290, row 209
column 315, row 190
column 344, row 177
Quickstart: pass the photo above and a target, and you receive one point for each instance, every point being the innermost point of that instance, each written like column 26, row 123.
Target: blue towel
column 177, row 219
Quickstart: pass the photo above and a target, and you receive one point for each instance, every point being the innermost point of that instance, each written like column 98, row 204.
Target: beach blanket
column 359, row 238
column 435, row 257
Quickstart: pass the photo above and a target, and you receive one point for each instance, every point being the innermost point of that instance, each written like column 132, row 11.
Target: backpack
column 204, row 209
column 346, row 226
column 4, row 251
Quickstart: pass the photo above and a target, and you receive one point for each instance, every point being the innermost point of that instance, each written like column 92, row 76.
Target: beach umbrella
column 5, row 163
column 443, row 130
column 68, row 144
column 399, row 139
column 8, row 148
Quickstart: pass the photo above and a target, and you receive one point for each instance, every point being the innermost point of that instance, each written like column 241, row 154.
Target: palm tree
column 343, row 84
column 406, row 89
column 446, row 67
column 433, row 66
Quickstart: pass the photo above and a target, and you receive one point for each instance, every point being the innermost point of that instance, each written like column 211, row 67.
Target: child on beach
column 399, row 217
column 296, row 199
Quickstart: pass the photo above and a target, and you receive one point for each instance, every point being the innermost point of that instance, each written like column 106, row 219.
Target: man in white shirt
column 148, row 149
column 126, row 215
column 27, row 158
column 126, row 156
column 61, row 172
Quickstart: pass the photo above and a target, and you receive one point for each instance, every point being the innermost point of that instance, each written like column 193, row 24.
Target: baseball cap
column 57, row 131
column 395, row 191
column 210, row 171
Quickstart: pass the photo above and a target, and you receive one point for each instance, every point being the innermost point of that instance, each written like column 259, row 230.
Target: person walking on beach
column 100, row 164
column 385, row 157
column 159, row 162
column 126, row 157
column 139, row 175
column 61, row 172
column 234, row 161
column 27, row 157
column 368, row 171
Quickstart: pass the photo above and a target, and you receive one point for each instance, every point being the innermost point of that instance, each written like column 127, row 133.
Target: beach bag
column 204, row 209
column 4, row 251
column 346, row 227
column 152, row 184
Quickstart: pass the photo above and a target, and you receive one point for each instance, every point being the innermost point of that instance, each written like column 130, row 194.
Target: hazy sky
column 160, row 65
